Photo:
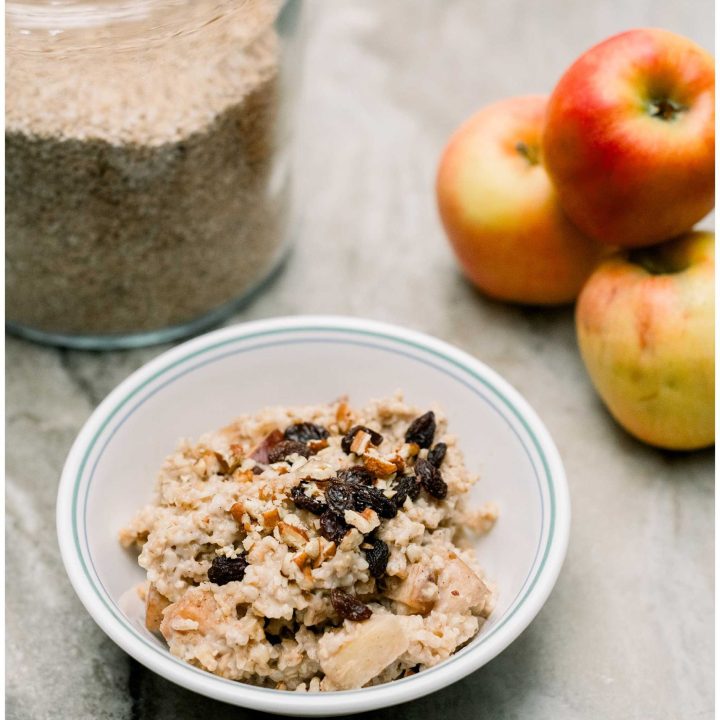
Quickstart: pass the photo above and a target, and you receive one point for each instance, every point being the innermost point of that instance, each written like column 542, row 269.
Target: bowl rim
column 313, row 704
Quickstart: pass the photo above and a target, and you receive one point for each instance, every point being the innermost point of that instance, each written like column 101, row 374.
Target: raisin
column 287, row 447
column 375, row 437
column 431, row 479
column 333, row 527
column 437, row 454
column 357, row 475
column 348, row 607
column 377, row 557
column 260, row 453
column 339, row 498
column 422, row 430
column 373, row 498
column 224, row 569
column 304, row 432
column 404, row 487
column 257, row 470
column 305, row 502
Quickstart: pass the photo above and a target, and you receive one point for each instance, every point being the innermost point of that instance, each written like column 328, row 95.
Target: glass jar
column 147, row 163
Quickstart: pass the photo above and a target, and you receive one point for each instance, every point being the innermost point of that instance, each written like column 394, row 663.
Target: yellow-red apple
column 500, row 211
column 629, row 140
column 645, row 326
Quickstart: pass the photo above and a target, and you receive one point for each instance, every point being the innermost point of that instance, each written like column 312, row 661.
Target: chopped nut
column 307, row 573
column 294, row 536
column 364, row 523
column 301, row 559
column 313, row 548
column 329, row 551
column 317, row 445
column 237, row 510
column 270, row 518
column 360, row 442
column 244, row 475
column 235, row 457
column 409, row 450
column 378, row 465
column 343, row 416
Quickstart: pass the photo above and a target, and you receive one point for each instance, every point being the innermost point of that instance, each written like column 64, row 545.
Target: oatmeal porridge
column 315, row 548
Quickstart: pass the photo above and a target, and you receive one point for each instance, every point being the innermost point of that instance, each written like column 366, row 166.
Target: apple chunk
column 369, row 647
column 460, row 589
column 417, row 591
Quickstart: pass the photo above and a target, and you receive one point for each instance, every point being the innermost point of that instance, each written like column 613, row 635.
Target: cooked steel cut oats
column 315, row 548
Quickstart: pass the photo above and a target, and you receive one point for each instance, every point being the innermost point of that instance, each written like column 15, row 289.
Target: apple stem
column 665, row 109
column 529, row 153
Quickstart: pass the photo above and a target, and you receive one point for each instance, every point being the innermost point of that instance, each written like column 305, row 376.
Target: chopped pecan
column 379, row 465
column 237, row 510
column 270, row 518
column 294, row 536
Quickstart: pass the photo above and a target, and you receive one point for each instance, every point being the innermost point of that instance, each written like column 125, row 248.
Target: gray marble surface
column 627, row 633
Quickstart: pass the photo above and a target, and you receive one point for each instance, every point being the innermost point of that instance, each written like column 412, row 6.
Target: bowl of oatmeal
column 313, row 515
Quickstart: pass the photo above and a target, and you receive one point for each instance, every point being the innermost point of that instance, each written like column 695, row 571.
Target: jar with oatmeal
column 147, row 163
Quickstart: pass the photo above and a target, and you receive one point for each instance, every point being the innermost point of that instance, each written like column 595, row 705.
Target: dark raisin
column 339, row 498
column 373, row 498
column 404, row 487
column 348, row 607
column 225, row 569
column 375, row 437
column 437, row 454
column 377, row 556
column 305, row 502
column 304, row 432
column 357, row 475
column 422, row 430
column 260, row 453
column 257, row 470
column 431, row 479
column 333, row 527
column 285, row 448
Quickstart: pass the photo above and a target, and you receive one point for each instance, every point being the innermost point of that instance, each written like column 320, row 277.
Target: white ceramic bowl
column 202, row 384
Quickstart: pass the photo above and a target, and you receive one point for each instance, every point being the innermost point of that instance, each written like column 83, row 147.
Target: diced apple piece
column 155, row 603
column 418, row 590
column 193, row 612
column 369, row 648
column 460, row 589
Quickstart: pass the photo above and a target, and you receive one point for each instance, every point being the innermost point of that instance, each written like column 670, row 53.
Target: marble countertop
column 628, row 631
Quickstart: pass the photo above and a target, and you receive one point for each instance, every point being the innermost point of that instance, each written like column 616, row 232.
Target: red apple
column 500, row 211
column 630, row 138
column 645, row 326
